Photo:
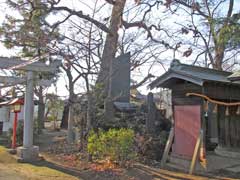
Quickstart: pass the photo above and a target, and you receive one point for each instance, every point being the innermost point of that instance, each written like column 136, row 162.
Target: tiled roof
column 194, row 74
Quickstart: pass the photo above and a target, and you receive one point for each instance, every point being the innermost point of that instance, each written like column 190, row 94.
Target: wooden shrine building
column 220, row 124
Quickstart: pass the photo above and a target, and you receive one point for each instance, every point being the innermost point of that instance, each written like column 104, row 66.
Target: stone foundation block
column 28, row 154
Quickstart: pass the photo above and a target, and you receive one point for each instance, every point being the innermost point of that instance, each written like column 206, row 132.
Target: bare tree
column 111, row 25
column 81, row 52
column 214, row 29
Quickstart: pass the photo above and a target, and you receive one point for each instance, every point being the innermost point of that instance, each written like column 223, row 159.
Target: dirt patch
column 64, row 162
column 67, row 158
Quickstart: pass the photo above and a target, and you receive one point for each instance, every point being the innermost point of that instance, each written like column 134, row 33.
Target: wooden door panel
column 187, row 126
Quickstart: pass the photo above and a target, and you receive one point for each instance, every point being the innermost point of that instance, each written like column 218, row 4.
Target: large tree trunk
column 70, row 133
column 70, row 111
column 41, row 110
column 151, row 115
column 64, row 122
column 90, row 107
column 71, row 100
column 219, row 38
column 110, row 46
column 70, row 115
column 219, row 55
column 89, row 112
column 109, row 52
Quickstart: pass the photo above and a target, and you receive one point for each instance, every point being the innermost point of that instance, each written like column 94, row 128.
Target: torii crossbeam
column 18, row 64
column 28, row 152
column 13, row 81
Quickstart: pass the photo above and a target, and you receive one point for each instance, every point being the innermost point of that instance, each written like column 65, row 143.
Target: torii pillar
column 28, row 152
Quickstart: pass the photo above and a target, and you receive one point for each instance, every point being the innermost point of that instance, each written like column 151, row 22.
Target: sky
column 138, row 74
column 61, row 90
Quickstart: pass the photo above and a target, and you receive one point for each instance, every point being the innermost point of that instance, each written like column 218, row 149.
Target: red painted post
column 14, row 131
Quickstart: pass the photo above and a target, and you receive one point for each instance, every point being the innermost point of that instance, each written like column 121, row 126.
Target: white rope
column 28, row 62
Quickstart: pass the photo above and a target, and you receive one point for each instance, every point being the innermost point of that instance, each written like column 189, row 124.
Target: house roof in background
column 235, row 76
column 12, row 101
column 194, row 74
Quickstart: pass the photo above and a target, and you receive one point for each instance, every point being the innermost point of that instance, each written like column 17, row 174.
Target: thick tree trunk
column 109, row 52
column 70, row 113
column 151, row 115
column 41, row 114
column 89, row 112
column 64, row 122
column 41, row 110
column 71, row 99
column 70, row 133
column 90, row 107
column 110, row 46
column 218, row 59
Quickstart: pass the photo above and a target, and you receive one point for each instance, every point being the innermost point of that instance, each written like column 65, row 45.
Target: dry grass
column 5, row 157
column 29, row 171
column 40, row 173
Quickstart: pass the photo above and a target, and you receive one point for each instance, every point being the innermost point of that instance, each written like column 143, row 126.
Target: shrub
column 117, row 145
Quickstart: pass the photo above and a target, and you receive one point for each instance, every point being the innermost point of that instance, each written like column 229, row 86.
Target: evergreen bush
column 114, row 144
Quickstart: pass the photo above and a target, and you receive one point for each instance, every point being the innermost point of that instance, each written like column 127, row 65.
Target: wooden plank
column 227, row 131
column 219, row 91
column 196, row 152
column 233, row 130
column 186, row 101
column 235, row 138
column 18, row 64
column 232, row 111
column 167, row 147
column 221, row 129
column 186, row 87
column 238, row 132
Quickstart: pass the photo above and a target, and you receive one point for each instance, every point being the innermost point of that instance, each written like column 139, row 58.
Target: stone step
column 215, row 163
column 175, row 166
column 3, row 140
column 177, row 162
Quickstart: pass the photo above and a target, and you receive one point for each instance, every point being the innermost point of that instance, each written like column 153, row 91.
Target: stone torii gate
column 27, row 152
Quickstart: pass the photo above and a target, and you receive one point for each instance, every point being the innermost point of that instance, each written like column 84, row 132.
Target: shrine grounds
column 60, row 164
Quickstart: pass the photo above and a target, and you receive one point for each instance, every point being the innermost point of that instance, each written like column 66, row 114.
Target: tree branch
column 75, row 13
column 135, row 86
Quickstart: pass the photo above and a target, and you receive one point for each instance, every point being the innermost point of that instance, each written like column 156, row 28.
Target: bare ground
column 58, row 165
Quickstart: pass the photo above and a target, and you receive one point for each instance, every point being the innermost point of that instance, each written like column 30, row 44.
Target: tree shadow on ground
column 66, row 170
column 90, row 174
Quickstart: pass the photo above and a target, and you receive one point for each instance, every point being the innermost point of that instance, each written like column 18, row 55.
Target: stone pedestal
column 28, row 154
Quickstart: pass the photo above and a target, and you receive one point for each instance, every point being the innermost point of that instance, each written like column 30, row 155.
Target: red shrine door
column 187, row 126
